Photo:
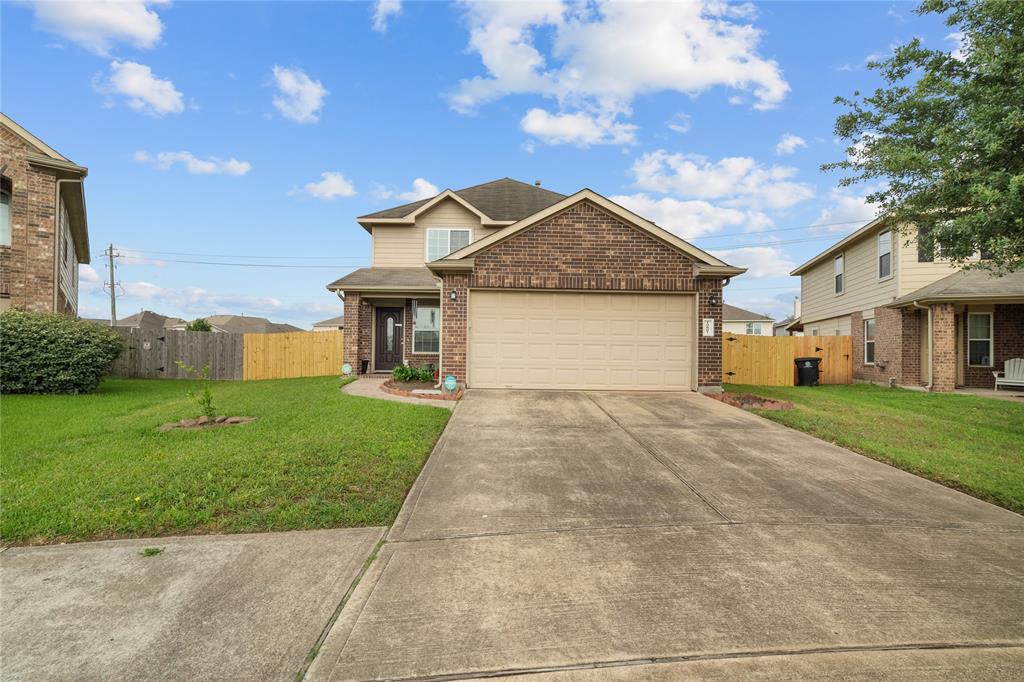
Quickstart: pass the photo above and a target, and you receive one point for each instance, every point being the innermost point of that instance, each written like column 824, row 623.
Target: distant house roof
column 731, row 313
column 147, row 319
column 244, row 324
column 974, row 284
column 386, row 279
column 502, row 200
column 338, row 321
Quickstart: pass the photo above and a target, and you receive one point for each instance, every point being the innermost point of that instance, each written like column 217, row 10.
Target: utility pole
column 113, row 291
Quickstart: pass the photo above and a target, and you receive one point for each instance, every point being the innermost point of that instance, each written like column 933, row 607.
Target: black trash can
column 807, row 371
column 364, row 366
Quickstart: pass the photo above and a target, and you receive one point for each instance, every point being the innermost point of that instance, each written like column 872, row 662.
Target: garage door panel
column 568, row 340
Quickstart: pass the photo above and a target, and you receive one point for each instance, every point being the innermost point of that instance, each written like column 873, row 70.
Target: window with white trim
column 884, row 254
column 442, row 241
column 5, row 212
column 979, row 339
column 814, row 331
column 426, row 329
column 840, row 265
column 869, row 342
column 754, row 328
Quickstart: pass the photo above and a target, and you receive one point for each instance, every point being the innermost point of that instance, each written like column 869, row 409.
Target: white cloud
column 384, row 10
column 959, row 40
column 760, row 261
column 691, row 219
column 845, row 213
column 579, row 128
column 87, row 273
column 844, row 67
column 604, row 55
column 738, row 181
column 680, row 123
column 142, row 89
column 421, row 189
column 331, row 186
column 789, row 143
column 193, row 164
column 97, row 26
column 299, row 98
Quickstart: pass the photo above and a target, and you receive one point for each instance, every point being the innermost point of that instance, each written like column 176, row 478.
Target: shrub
column 204, row 396
column 51, row 353
column 407, row 373
column 198, row 325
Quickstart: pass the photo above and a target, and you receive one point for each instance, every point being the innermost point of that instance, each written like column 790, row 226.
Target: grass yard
column 973, row 444
column 92, row 467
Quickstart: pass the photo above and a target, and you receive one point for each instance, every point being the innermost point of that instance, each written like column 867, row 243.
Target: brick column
column 358, row 330
column 454, row 322
column 709, row 348
column 910, row 347
column 943, row 347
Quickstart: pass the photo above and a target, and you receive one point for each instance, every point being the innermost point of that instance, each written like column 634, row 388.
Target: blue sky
column 255, row 132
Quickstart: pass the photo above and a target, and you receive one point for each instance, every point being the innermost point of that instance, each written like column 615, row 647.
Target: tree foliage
column 941, row 144
column 198, row 325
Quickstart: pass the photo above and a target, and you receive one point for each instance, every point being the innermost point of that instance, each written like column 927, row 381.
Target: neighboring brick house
column 914, row 320
column 44, row 233
column 508, row 285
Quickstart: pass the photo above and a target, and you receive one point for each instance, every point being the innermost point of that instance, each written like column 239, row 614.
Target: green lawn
column 91, row 467
column 966, row 442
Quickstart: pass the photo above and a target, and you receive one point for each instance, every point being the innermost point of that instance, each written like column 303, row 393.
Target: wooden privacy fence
column 294, row 354
column 152, row 354
column 768, row 360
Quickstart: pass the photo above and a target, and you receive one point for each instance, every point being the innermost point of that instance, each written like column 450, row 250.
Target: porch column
column 358, row 318
column 943, row 347
column 453, row 325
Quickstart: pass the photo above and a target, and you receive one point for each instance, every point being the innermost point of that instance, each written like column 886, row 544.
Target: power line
column 258, row 265
column 229, row 255
column 781, row 229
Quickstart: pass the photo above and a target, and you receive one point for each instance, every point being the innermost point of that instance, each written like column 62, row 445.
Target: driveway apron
column 579, row 536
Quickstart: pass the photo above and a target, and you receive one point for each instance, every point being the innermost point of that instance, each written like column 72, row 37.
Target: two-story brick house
column 44, row 233
column 509, row 285
column 915, row 320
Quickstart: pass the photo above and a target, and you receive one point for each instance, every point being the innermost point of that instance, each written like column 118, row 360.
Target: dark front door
column 388, row 347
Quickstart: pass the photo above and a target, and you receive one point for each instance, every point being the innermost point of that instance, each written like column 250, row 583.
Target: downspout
column 440, row 334
column 931, row 339
column 56, row 240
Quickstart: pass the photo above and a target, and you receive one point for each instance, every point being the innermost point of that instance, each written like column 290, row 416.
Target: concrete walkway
column 215, row 607
column 369, row 387
column 613, row 536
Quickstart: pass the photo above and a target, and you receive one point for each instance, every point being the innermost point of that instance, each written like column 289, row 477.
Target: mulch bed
column 407, row 388
column 206, row 423
column 749, row 401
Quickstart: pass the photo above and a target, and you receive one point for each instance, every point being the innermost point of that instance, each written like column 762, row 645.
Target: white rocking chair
column 1012, row 374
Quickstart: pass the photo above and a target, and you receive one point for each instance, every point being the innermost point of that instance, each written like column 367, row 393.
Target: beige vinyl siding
column 833, row 326
column 67, row 259
column 741, row 328
column 405, row 246
column 913, row 275
column 862, row 288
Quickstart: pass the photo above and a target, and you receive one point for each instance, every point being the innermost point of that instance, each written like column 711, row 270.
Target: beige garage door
column 528, row 339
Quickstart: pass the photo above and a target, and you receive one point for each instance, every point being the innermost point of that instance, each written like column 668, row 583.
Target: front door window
column 388, row 344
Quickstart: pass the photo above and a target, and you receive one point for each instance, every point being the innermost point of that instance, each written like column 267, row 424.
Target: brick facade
column 583, row 248
column 943, row 347
column 411, row 358
column 358, row 329
column 897, row 346
column 27, row 264
column 1007, row 342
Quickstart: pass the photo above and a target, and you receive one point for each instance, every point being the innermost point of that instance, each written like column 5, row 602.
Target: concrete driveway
column 578, row 536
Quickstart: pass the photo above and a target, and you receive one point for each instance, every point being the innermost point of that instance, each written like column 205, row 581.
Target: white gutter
column 931, row 338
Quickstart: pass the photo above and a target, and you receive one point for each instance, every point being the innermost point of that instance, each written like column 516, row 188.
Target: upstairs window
column 441, row 242
column 925, row 246
column 5, row 212
column 754, row 328
column 884, row 254
column 869, row 342
column 979, row 339
column 840, row 265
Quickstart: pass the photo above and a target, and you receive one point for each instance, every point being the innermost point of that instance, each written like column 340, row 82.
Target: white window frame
column 754, row 328
column 874, row 347
column 991, row 338
column 880, row 253
column 841, row 261
column 814, row 331
column 6, row 237
column 417, row 351
column 449, row 230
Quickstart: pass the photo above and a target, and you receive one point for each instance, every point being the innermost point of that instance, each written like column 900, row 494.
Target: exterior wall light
column 453, row 295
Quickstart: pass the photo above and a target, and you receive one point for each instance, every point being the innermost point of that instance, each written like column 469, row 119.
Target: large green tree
column 941, row 144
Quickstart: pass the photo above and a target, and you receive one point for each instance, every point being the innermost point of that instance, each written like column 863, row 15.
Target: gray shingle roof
column 386, row 278
column 731, row 313
column 968, row 284
column 338, row 321
column 504, row 199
